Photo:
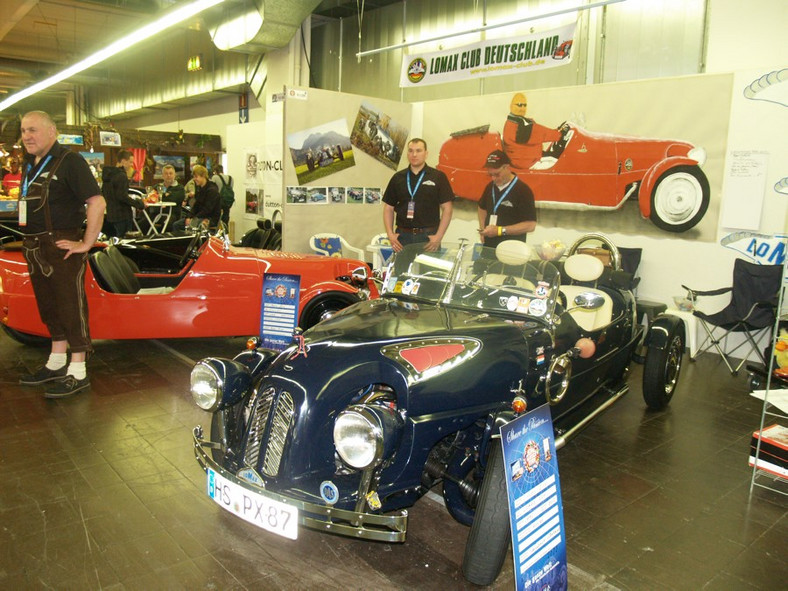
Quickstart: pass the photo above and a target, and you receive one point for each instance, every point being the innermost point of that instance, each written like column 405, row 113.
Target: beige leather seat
column 586, row 269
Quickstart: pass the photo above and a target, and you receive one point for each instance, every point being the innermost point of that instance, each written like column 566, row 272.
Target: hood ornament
column 298, row 338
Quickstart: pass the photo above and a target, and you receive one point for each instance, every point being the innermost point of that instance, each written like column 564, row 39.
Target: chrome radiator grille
column 268, row 428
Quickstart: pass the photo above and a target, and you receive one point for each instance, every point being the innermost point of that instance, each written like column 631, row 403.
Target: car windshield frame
column 511, row 280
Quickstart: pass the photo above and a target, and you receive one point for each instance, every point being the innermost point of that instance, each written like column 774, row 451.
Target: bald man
column 58, row 196
column 523, row 138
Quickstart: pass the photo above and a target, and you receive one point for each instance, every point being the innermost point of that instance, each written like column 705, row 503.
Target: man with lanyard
column 506, row 209
column 56, row 186
column 421, row 197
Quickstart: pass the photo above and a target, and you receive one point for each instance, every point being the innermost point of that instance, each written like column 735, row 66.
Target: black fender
column 661, row 328
column 256, row 360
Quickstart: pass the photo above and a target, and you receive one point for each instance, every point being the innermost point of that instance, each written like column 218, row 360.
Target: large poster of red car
column 611, row 158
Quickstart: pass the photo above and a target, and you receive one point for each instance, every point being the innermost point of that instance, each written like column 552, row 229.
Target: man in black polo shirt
column 506, row 209
column 421, row 197
column 57, row 185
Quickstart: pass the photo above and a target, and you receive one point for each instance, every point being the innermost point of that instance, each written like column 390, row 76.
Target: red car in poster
column 589, row 170
column 179, row 287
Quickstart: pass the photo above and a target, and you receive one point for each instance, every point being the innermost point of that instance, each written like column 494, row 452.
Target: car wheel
column 680, row 198
column 488, row 541
column 324, row 307
column 31, row 340
column 661, row 371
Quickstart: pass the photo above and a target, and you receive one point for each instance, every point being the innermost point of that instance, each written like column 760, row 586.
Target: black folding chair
column 751, row 311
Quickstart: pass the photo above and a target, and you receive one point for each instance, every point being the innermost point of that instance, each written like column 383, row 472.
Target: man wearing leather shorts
column 58, row 195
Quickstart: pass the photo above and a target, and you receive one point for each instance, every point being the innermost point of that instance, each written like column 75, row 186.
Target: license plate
column 268, row 514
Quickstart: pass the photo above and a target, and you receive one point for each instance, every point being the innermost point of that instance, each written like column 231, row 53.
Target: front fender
column 651, row 176
column 659, row 332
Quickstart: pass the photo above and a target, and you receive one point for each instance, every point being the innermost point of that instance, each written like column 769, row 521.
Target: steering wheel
column 190, row 250
column 604, row 241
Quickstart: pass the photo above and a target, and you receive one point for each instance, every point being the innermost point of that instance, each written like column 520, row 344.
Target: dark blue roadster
column 368, row 410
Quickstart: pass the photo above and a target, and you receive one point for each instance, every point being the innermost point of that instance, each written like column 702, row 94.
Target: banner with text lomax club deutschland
column 493, row 57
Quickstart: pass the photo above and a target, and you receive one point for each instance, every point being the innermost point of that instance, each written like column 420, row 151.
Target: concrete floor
column 101, row 491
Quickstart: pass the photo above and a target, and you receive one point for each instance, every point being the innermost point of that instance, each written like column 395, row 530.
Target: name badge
column 494, row 220
column 22, row 212
column 411, row 209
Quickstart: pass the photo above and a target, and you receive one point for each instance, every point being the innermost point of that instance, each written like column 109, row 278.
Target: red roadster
column 192, row 286
column 587, row 170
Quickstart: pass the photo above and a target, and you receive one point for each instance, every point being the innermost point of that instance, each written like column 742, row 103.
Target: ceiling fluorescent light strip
column 170, row 19
column 361, row 54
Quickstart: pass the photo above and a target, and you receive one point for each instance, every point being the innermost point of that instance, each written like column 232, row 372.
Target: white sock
column 77, row 369
column 56, row 361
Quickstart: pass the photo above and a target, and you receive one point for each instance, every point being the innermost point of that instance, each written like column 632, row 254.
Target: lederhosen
column 58, row 282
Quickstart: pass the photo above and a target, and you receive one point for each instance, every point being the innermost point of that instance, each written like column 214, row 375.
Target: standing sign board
column 535, row 508
column 279, row 313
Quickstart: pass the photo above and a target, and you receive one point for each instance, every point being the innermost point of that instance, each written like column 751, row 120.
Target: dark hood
column 110, row 172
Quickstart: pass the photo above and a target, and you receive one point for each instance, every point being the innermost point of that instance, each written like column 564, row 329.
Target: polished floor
column 101, row 491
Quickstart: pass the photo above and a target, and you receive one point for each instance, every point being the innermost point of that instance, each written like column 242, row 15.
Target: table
column 163, row 216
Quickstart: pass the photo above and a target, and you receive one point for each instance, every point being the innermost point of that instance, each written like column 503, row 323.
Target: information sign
column 535, row 508
column 279, row 313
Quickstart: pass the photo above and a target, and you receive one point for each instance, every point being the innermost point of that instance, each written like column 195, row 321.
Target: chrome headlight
column 218, row 383
column 364, row 436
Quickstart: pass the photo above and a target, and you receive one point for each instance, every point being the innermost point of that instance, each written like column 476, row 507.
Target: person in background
column 224, row 180
column 188, row 199
column 506, row 209
column 207, row 204
column 115, row 188
column 13, row 177
column 170, row 191
column 420, row 198
column 523, row 138
column 57, row 196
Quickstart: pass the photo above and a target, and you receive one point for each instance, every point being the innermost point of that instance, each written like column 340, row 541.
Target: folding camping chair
column 751, row 311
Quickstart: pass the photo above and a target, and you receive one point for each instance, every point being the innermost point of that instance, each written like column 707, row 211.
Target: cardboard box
column 773, row 453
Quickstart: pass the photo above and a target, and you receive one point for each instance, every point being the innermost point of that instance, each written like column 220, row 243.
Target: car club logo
column 416, row 70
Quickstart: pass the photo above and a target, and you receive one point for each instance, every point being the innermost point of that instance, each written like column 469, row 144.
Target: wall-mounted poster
column 251, row 165
column 176, row 161
column 378, row 135
column 320, row 151
column 253, row 197
column 336, row 194
column 296, row 194
column 109, row 138
column 372, row 195
column 317, row 195
column 355, row 195
column 96, row 162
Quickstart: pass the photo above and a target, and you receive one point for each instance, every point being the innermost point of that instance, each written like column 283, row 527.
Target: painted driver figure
column 523, row 137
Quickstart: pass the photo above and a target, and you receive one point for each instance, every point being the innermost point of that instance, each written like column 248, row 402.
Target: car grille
column 268, row 428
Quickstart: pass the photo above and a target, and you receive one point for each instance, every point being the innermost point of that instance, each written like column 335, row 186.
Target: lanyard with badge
column 25, row 185
column 412, row 193
column 494, row 215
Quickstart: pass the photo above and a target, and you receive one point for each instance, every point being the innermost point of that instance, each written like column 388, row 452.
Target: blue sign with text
column 535, row 508
column 279, row 314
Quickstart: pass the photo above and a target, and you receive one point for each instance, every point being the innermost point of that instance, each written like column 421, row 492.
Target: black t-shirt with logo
column 518, row 206
column 433, row 191
column 71, row 186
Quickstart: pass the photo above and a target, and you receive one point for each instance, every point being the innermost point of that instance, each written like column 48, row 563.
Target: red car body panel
column 219, row 294
column 595, row 170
